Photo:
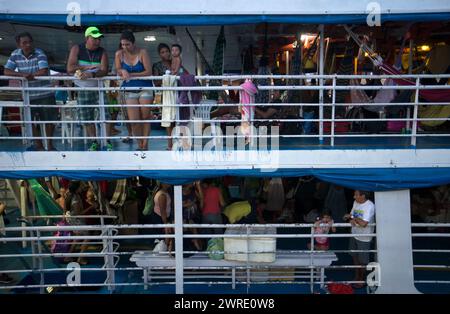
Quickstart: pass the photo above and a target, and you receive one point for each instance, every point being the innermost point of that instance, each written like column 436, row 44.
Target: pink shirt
column 324, row 229
column 211, row 200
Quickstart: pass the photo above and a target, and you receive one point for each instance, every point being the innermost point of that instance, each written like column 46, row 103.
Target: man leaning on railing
column 86, row 61
column 28, row 62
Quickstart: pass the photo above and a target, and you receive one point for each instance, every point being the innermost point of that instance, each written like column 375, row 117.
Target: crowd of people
column 89, row 60
column 86, row 61
column 236, row 200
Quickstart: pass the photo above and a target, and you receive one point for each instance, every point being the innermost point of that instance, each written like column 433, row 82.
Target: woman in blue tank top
column 130, row 62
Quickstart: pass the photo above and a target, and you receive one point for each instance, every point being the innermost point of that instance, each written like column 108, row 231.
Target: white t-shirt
column 366, row 212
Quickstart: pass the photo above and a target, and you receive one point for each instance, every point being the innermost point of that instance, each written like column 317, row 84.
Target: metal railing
column 431, row 259
column 330, row 84
column 309, row 273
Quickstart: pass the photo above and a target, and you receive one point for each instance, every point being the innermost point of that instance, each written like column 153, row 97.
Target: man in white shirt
column 361, row 215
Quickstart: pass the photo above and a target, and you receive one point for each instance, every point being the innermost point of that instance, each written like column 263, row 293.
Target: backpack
column 150, row 201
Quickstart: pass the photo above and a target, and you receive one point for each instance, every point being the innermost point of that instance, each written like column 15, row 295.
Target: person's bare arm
column 2, row 208
column 104, row 65
column 72, row 61
column 147, row 65
column 162, row 206
column 265, row 114
column 360, row 222
column 175, row 65
column 221, row 200
column 199, row 192
column 117, row 63
column 28, row 76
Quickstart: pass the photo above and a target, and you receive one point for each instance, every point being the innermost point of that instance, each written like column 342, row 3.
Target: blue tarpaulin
column 191, row 20
column 370, row 179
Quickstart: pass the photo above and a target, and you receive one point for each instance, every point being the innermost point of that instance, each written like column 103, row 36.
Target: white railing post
column 23, row 208
column 41, row 262
column 415, row 114
column 179, row 262
column 311, row 261
column 102, row 114
column 321, row 67
column 27, row 113
column 333, row 111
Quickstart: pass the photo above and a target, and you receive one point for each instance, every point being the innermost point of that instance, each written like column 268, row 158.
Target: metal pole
column 26, row 111
column 415, row 114
column 333, row 111
column 287, row 64
column 101, row 102
column 321, row 67
column 410, row 65
column 179, row 271
column 41, row 262
column 311, row 263
column 23, row 209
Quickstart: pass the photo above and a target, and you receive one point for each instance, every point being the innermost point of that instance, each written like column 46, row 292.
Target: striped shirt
column 35, row 62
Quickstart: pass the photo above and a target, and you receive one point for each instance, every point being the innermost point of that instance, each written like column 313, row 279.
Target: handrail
column 333, row 85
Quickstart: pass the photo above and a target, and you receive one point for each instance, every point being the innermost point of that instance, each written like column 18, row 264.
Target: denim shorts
column 148, row 95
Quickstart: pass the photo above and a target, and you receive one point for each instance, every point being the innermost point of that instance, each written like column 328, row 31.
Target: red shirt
column 211, row 200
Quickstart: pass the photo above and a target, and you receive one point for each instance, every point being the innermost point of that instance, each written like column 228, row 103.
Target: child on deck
column 323, row 226
column 176, row 66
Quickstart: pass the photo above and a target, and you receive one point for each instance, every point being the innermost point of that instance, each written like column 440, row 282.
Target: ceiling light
column 149, row 38
column 425, row 48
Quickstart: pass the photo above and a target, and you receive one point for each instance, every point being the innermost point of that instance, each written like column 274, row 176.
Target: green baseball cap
column 93, row 32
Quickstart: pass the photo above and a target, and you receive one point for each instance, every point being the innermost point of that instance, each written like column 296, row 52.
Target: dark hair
column 22, row 35
column 163, row 45
column 365, row 193
column 178, row 46
column 74, row 186
column 208, row 181
column 128, row 35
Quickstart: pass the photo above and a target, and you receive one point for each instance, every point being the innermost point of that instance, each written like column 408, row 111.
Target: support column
column 179, row 264
column 394, row 242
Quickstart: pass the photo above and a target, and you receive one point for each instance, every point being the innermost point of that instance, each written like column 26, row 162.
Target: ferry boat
column 353, row 94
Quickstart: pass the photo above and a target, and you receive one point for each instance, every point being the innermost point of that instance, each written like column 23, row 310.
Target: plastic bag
column 215, row 248
column 160, row 246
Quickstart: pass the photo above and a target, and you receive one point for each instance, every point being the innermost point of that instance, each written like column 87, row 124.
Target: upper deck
column 329, row 120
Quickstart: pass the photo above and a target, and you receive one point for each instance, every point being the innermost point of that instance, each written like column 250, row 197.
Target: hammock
column 435, row 95
column 46, row 204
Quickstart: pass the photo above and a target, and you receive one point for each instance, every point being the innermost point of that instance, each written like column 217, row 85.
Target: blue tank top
column 137, row 68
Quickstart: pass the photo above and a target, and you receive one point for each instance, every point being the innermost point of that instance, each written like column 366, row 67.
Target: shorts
column 87, row 98
column 363, row 257
column 44, row 114
column 145, row 94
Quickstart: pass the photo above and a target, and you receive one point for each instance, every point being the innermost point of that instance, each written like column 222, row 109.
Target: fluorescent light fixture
column 149, row 38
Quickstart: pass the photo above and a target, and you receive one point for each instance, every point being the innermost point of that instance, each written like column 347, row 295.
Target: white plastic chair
column 203, row 112
column 68, row 114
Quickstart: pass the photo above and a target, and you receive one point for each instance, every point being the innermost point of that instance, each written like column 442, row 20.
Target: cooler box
column 264, row 244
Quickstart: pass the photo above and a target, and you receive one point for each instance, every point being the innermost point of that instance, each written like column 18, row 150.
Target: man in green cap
column 86, row 61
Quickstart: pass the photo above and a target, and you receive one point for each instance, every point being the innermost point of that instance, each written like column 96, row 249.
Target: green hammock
column 218, row 65
column 46, row 204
